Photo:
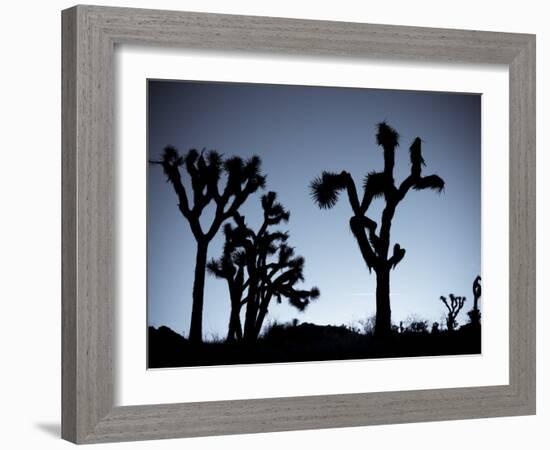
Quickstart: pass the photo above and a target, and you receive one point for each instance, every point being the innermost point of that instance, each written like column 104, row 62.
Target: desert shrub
column 414, row 324
column 366, row 326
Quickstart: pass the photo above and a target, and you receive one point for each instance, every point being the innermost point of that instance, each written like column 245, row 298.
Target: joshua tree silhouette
column 454, row 305
column 272, row 270
column 475, row 314
column 374, row 246
column 205, row 171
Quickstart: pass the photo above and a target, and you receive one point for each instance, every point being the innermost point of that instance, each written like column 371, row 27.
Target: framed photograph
column 268, row 207
column 306, row 210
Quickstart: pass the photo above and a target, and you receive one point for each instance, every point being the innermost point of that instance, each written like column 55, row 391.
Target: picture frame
column 90, row 34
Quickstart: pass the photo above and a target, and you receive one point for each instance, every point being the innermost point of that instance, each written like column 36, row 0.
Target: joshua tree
column 454, row 305
column 375, row 244
column 205, row 171
column 475, row 314
column 272, row 270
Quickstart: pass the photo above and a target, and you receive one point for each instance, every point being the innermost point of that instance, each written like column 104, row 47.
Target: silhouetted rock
column 165, row 347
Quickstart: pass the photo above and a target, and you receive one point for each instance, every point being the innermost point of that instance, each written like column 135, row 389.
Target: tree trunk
column 251, row 305
column 238, row 326
column 195, row 332
column 250, row 322
column 450, row 323
column 261, row 315
column 383, row 311
column 235, row 332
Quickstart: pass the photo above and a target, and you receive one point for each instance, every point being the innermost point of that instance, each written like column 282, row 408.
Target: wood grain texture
column 89, row 36
column 523, row 224
column 68, row 225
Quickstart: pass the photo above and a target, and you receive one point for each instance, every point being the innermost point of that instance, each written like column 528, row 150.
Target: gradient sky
column 298, row 132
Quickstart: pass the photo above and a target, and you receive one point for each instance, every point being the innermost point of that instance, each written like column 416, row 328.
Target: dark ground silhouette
column 309, row 342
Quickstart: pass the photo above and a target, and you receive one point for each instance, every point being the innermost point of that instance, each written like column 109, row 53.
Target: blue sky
column 298, row 132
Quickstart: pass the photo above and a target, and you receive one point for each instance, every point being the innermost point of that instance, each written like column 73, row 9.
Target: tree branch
column 398, row 255
column 352, row 192
column 357, row 225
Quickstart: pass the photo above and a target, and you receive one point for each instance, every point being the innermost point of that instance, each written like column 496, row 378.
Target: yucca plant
column 454, row 305
column 205, row 170
column 374, row 241
column 475, row 314
column 259, row 266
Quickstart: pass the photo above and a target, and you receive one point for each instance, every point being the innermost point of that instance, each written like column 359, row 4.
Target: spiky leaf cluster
column 205, row 170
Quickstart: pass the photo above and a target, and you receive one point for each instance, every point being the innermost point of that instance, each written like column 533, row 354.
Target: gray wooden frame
column 89, row 36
